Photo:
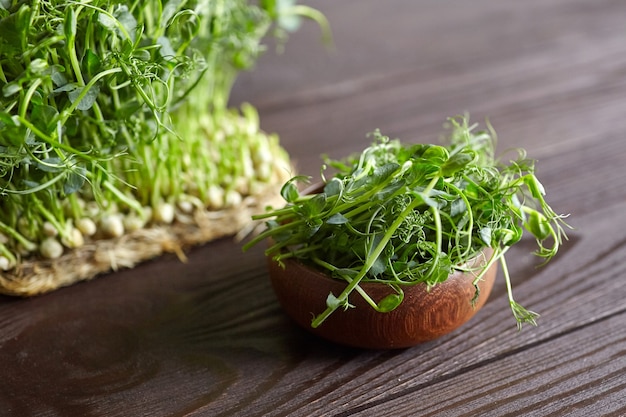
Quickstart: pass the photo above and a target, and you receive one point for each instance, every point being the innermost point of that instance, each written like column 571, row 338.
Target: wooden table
column 207, row 338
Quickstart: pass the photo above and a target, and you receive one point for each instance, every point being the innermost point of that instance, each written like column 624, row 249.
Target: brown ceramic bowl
column 422, row 316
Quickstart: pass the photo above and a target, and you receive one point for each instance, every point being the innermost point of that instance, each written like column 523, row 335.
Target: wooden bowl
column 422, row 316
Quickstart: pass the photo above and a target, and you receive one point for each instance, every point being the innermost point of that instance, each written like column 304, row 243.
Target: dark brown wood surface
column 207, row 338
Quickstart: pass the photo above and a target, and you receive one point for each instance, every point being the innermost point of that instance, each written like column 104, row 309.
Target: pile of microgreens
column 114, row 115
column 406, row 214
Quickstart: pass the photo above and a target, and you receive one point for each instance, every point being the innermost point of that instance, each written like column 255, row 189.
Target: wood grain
column 577, row 373
column 207, row 337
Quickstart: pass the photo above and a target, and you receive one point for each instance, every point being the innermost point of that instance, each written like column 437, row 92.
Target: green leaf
column 316, row 204
column 458, row 207
column 69, row 25
column 37, row 99
column 390, row 302
column 121, row 22
column 57, row 76
column 536, row 188
column 509, row 236
column 313, row 226
column 289, row 191
column 440, row 271
column 436, row 155
column 346, row 274
column 87, row 101
column 66, row 88
column 485, row 235
column 74, row 181
column 383, row 172
column 337, row 219
column 127, row 20
column 166, row 51
column 538, row 225
column 457, row 162
column 43, row 116
column 10, row 89
column 6, row 120
column 430, row 202
column 38, row 66
column 169, row 11
column 334, row 302
column 379, row 266
column 423, row 170
column 107, row 21
column 333, row 187
column 142, row 55
column 11, row 132
column 13, row 30
column 92, row 63
column 52, row 164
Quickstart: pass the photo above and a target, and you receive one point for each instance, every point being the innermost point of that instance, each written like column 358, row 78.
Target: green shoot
column 407, row 214
column 121, row 109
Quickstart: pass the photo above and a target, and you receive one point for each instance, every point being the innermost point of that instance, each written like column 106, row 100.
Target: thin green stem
column 520, row 313
column 27, row 97
column 369, row 262
column 41, row 135
column 358, row 288
column 11, row 232
column 85, row 90
column 54, row 218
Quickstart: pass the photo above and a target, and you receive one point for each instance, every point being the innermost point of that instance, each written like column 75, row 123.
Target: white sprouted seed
column 132, row 223
column 262, row 156
column 6, row 264
column 49, row 229
column 73, row 238
column 111, row 225
column 215, row 197
column 185, row 206
column 264, row 172
column 242, row 185
column 232, row 198
column 164, row 213
column 86, row 226
column 51, row 248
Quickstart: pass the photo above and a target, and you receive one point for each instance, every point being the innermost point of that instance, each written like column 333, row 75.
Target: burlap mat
column 38, row 276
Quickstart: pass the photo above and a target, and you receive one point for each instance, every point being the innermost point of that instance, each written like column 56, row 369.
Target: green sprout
column 406, row 214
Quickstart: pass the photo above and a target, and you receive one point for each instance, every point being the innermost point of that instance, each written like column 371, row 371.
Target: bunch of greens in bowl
column 115, row 116
column 404, row 214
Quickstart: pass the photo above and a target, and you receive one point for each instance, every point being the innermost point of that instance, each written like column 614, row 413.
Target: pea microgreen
column 114, row 108
column 405, row 214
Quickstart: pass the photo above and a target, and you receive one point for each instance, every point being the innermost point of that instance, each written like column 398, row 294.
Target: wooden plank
column 156, row 340
column 373, row 38
column 578, row 373
column 529, row 100
column 547, row 88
